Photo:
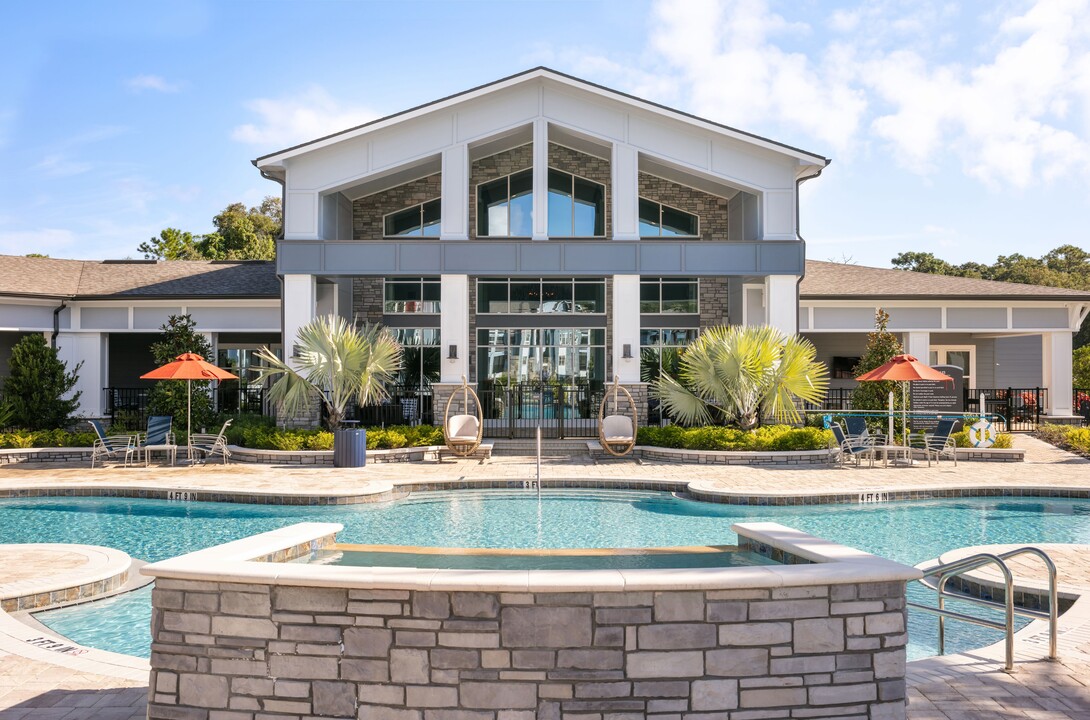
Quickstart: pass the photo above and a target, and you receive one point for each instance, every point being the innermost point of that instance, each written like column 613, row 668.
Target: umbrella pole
column 891, row 414
column 904, row 412
column 188, row 420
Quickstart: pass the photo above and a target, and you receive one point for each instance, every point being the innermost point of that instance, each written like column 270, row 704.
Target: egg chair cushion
column 463, row 428
column 617, row 429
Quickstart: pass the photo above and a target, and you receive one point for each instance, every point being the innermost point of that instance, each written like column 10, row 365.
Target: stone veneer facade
column 711, row 209
column 241, row 651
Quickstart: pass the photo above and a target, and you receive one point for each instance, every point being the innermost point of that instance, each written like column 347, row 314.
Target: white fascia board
column 179, row 302
column 276, row 160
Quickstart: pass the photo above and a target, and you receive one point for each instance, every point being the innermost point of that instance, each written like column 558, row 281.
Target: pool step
column 549, row 448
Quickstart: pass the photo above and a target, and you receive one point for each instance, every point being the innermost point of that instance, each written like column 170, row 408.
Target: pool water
column 909, row 532
column 524, row 561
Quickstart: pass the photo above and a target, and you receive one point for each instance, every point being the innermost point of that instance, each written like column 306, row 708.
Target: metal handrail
column 945, row 571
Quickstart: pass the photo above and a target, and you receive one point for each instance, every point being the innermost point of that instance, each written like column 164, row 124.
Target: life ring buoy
column 982, row 434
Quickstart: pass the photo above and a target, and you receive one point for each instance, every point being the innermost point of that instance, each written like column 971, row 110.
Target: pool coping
column 382, row 490
column 107, row 569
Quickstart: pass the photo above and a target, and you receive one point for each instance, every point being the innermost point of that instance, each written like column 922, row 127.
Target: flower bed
column 769, row 438
column 1069, row 437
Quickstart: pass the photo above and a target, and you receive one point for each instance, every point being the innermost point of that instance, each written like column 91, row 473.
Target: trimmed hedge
column 46, row 438
column 771, row 437
column 261, row 437
column 1069, row 437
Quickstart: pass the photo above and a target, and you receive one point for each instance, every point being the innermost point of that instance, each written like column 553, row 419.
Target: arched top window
column 577, row 207
column 421, row 220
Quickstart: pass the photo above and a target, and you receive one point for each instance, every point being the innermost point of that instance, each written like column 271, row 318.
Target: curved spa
column 821, row 627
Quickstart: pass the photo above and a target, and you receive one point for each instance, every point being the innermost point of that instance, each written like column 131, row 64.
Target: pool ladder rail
column 943, row 572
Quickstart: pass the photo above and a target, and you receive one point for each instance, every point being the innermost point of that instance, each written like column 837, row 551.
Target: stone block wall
column 367, row 299
column 368, row 212
column 711, row 209
column 714, row 302
column 248, row 651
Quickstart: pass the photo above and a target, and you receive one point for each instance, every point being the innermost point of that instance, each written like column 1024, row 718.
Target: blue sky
column 961, row 129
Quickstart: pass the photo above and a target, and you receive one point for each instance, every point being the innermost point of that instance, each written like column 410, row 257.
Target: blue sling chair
column 158, row 434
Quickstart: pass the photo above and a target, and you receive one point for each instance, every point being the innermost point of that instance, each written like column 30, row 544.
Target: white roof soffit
column 390, row 178
column 689, row 177
column 274, row 160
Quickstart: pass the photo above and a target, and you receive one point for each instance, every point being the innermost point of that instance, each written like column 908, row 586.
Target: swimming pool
column 908, row 532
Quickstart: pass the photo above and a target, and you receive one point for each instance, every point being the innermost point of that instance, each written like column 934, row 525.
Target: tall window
column 660, row 351
column 411, row 295
column 658, row 220
column 420, row 360
column 562, row 356
column 577, row 207
column 668, row 295
column 541, row 295
column 417, row 221
column 505, row 207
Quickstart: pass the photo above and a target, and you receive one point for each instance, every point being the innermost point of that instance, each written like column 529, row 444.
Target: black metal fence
column 405, row 405
column 130, row 404
column 1018, row 409
column 1080, row 402
column 562, row 411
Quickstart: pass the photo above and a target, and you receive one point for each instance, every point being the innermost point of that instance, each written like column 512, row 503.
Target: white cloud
column 157, row 83
column 1012, row 111
column 57, row 165
column 306, row 116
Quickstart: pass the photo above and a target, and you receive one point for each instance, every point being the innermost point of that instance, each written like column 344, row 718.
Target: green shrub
column 320, row 440
column 46, row 439
column 286, row 440
column 1069, row 437
column 1003, row 441
column 770, row 437
column 37, row 390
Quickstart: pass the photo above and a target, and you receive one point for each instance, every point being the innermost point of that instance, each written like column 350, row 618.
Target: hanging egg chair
column 617, row 432
column 463, row 433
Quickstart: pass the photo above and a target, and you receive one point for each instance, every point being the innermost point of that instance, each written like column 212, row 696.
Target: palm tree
column 744, row 373
column 336, row 362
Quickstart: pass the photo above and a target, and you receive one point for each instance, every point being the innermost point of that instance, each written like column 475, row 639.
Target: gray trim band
column 527, row 258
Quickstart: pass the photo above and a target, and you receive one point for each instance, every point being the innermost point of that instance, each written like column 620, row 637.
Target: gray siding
column 26, row 316
column 1018, row 361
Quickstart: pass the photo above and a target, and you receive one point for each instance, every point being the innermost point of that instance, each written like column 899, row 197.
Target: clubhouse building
column 539, row 236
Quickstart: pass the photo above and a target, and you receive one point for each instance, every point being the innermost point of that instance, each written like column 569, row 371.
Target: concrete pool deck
column 957, row 686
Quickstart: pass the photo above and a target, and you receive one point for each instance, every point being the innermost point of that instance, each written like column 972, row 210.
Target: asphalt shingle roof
column 49, row 277
column 829, row 280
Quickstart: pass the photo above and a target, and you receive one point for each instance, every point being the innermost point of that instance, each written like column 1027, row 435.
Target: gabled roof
column 840, row 281
column 90, row 279
column 526, row 76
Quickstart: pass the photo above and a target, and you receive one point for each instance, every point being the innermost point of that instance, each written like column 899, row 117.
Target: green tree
column 1080, row 368
column 37, row 255
column 240, row 233
column 745, row 373
column 244, row 234
column 172, row 244
column 35, row 390
column 168, row 397
column 337, row 363
column 923, row 262
column 882, row 346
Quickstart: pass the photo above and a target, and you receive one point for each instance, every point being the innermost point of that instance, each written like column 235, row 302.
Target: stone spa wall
column 226, row 650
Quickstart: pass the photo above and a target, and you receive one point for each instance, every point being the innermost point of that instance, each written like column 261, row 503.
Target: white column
column 90, row 349
column 625, row 170
column 782, row 302
column 454, row 327
column 1056, row 372
column 626, row 327
column 300, row 307
column 541, row 179
column 455, row 182
column 918, row 344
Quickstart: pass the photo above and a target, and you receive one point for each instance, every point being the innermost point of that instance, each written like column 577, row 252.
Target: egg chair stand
column 616, row 432
column 463, row 433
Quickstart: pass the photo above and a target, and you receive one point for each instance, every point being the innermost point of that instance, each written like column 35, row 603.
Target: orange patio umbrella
column 905, row 369
column 189, row 367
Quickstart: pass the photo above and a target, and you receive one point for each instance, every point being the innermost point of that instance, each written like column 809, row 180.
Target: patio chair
column 853, row 447
column 856, row 426
column 157, row 437
column 940, row 442
column 211, row 444
column 109, row 447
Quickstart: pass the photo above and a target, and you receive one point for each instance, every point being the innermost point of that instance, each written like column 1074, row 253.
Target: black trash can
column 349, row 447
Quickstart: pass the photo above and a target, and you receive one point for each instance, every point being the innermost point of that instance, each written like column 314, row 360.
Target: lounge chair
column 111, row 447
column 852, row 447
column 210, row 444
column 940, row 442
column 158, row 437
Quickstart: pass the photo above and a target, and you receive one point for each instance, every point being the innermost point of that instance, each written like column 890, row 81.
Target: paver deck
column 970, row 685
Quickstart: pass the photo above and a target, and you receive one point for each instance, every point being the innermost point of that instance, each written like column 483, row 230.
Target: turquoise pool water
column 906, row 531
column 469, row 561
